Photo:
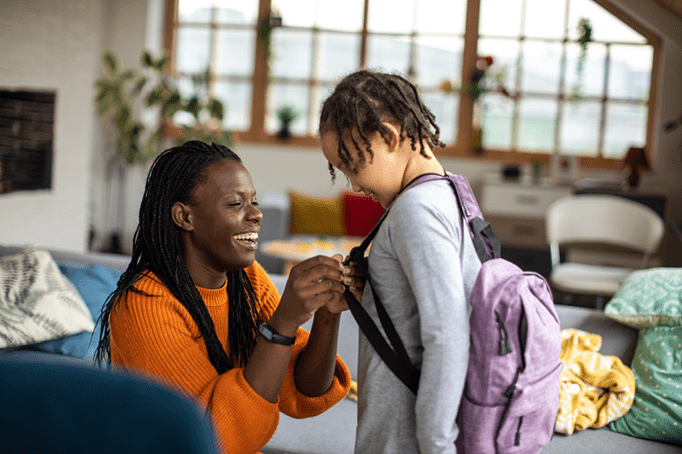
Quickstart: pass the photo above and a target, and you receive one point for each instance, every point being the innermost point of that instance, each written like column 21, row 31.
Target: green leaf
column 128, row 75
column 147, row 59
column 110, row 63
column 216, row 109
column 193, row 107
column 154, row 97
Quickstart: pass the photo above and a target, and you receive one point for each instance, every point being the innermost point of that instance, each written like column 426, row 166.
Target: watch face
column 265, row 331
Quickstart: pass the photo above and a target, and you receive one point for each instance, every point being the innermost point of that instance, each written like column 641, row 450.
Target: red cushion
column 360, row 213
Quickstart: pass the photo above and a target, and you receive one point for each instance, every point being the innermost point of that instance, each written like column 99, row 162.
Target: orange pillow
column 361, row 213
column 316, row 216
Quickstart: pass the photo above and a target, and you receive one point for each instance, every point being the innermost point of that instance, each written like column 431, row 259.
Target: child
column 422, row 264
column 195, row 310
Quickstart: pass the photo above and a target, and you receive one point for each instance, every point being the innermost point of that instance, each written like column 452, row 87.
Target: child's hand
column 312, row 284
column 353, row 278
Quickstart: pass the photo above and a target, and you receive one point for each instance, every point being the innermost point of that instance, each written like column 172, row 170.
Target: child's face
column 381, row 179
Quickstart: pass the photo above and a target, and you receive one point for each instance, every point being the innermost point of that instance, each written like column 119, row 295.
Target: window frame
column 463, row 147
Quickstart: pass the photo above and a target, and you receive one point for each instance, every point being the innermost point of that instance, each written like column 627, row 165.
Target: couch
column 334, row 431
column 55, row 399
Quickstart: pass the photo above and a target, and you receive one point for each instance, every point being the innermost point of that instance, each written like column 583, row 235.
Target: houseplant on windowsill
column 286, row 115
column 484, row 79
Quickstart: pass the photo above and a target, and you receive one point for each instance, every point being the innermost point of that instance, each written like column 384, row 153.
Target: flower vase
column 477, row 130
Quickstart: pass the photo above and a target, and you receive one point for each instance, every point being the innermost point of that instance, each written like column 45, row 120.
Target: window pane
column 446, row 109
column 500, row 18
column 236, row 97
column 280, row 95
column 605, row 26
column 387, row 53
column 237, row 11
column 545, row 18
column 195, row 10
column 537, row 125
column 438, row 16
column 291, row 53
column 339, row 55
column 335, row 15
column 439, row 58
column 592, row 81
column 392, row 16
column 541, row 67
column 236, row 52
column 346, row 15
column 505, row 55
column 497, row 121
column 580, row 128
column 192, row 50
column 625, row 127
column 630, row 72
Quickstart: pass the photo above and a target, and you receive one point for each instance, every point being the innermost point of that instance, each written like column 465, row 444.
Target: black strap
column 394, row 355
column 405, row 371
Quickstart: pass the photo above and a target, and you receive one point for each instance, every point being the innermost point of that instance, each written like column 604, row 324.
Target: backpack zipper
column 517, row 438
column 505, row 343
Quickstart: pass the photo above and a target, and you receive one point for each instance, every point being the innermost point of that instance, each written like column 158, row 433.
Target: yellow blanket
column 595, row 389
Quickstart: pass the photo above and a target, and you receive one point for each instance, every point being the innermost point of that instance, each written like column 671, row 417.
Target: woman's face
column 224, row 217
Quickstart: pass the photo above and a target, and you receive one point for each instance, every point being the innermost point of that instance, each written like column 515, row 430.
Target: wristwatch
column 273, row 336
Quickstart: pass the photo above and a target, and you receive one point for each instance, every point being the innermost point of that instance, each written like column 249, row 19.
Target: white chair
column 604, row 223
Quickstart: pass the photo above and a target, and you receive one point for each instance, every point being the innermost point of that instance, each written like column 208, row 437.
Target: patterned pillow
column 656, row 413
column 647, row 298
column 37, row 302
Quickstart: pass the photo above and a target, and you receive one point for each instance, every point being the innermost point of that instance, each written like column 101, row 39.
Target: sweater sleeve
column 292, row 402
column 154, row 335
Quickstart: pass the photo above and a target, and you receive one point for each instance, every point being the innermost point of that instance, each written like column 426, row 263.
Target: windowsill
column 450, row 151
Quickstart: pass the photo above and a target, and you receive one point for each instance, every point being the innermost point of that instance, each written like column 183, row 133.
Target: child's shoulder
column 433, row 199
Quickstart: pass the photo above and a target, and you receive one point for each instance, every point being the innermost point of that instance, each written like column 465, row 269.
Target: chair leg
column 599, row 302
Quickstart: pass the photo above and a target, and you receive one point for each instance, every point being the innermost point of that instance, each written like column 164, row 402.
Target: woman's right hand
column 312, row 283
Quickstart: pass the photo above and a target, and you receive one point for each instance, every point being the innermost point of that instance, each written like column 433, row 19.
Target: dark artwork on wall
column 26, row 137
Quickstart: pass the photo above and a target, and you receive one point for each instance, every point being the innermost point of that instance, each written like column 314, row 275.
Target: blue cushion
column 94, row 283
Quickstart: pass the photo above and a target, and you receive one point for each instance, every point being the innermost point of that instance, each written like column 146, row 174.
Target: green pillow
column 656, row 413
column 647, row 298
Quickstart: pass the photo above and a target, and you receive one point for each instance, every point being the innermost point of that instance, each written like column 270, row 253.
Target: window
column 596, row 115
column 594, row 108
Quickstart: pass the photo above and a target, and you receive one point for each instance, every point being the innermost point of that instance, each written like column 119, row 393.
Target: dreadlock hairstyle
column 360, row 104
column 157, row 247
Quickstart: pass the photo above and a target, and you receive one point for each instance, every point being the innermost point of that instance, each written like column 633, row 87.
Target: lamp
column 636, row 160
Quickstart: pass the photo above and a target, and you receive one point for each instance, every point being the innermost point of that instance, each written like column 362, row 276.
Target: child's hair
column 363, row 100
column 157, row 247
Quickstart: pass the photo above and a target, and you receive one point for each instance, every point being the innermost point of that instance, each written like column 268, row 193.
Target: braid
column 157, row 247
column 360, row 104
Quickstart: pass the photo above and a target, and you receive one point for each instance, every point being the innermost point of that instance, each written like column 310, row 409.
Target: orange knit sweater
column 155, row 335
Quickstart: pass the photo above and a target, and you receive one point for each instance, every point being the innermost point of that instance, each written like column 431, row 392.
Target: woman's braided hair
column 365, row 99
column 157, row 247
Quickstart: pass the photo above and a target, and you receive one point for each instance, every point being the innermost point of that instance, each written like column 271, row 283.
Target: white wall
column 57, row 44
column 53, row 45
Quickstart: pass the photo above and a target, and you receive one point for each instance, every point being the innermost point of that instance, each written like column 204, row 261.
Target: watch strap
column 273, row 336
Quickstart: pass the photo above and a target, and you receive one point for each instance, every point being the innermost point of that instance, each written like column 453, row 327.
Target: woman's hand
column 312, row 284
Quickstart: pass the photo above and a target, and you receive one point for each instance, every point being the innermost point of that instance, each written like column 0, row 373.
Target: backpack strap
column 394, row 355
column 486, row 243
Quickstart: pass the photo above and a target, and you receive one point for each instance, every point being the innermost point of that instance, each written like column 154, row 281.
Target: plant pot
column 284, row 132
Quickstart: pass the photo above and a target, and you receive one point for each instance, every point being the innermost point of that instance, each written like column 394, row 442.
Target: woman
column 196, row 311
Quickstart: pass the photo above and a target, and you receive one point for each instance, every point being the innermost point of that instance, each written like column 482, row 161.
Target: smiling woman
column 200, row 315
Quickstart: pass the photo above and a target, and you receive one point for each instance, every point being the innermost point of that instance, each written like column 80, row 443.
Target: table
column 302, row 247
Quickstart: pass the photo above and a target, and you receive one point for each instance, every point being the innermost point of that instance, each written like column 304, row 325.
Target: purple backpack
column 511, row 394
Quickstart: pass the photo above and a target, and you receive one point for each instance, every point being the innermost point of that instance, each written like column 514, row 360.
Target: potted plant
column 126, row 96
column 286, row 115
